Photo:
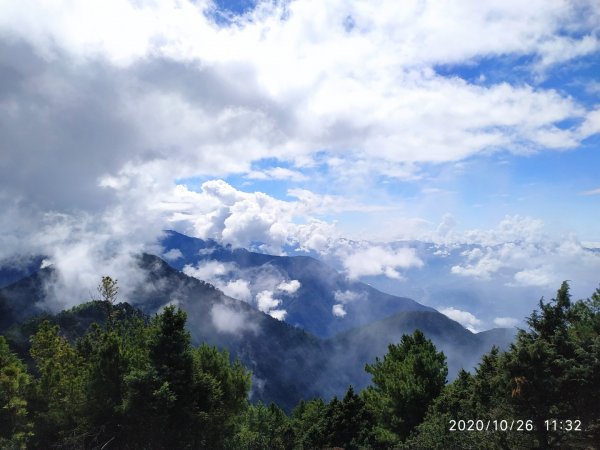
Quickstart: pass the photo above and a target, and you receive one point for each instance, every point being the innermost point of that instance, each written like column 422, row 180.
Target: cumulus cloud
column 222, row 212
column 343, row 298
column 290, row 287
column 484, row 267
column 173, row 254
column 207, row 270
column 510, row 229
column 465, row 318
column 379, row 260
column 447, row 224
column 268, row 304
column 518, row 253
column 258, row 286
column 338, row 310
column 239, row 289
column 278, row 314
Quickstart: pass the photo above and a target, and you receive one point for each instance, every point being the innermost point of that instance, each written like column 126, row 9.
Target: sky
column 303, row 126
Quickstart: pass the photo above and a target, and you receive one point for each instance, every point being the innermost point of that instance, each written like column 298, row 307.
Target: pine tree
column 59, row 391
column 15, row 425
column 410, row 376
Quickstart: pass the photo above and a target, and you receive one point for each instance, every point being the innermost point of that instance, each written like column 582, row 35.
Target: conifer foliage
column 130, row 382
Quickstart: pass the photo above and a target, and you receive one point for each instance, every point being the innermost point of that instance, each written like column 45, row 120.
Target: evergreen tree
column 221, row 393
column 264, row 427
column 15, row 425
column 107, row 367
column 349, row 423
column 309, row 420
column 410, row 376
column 59, row 391
column 158, row 403
column 555, row 368
column 182, row 398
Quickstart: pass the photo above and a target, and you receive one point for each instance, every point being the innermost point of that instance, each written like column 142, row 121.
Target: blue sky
column 302, row 125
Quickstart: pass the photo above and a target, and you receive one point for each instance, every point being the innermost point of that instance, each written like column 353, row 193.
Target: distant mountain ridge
column 311, row 307
column 15, row 269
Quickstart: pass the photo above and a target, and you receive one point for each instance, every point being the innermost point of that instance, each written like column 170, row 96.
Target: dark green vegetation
column 131, row 382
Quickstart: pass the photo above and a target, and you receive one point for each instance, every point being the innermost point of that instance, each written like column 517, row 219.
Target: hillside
column 463, row 349
column 311, row 306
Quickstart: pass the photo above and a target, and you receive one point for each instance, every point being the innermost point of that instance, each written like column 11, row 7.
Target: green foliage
column 345, row 423
column 349, row 423
column 107, row 365
column 182, row 398
column 263, row 427
column 309, row 422
column 15, row 425
column 128, row 384
column 222, row 391
column 552, row 371
column 137, row 384
column 410, row 376
column 555, row 367
column 59, row 391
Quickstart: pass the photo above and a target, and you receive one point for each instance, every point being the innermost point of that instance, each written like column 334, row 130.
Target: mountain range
column 314, row 296
column 312, row 352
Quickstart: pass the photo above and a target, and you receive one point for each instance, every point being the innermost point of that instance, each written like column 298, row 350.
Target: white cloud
column 372, row 261
column 278, row 314
column 370, row 91
column 173, row 254
column 506, row 322
column 519, row 253
column 338, row 310
column 484, row 267
column 221, row 212
column 265, row 301
column 511, row 229
column 259, row 283
column 561, row 48
column 447, row 224
column 465, row 318
column 239, row 289
column 207, row 270
column 290, row 287
column 267, row 304
column 535, row 277
column 228, row 320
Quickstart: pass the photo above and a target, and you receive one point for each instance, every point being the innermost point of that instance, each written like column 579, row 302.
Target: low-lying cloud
column 378, row 260
column 228, row 320
column 465, row 318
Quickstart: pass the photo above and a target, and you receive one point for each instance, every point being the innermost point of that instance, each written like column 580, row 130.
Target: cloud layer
column 121, row 119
